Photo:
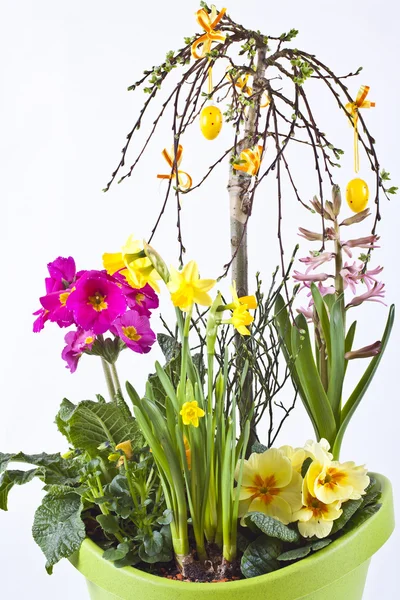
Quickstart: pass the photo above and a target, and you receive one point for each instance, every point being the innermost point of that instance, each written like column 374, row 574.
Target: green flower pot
column 338, row 571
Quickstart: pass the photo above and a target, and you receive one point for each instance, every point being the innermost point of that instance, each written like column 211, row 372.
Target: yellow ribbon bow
column 184, row 179
column 208, row 22
column 241, row 83
column 250, row 160
column 353, row 108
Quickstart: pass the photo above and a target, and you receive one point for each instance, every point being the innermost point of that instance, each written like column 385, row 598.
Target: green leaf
column 336, row 357
column 272, row 527
column 260, row 557
column 117, row 553
column 348, row 344
column 284, row 327
column 349, row 509
column 11, row 478
column 305, row 465
column 362, row 386
column 310, row 380
column 360, row 516
column 323, row 316
column 305, row 550
column 169, row 345
column 108, row 522
column 153, row 543
column 258, row 448
column 58, row 528
column 92, row 423
column 167, row 517
column 373, row 492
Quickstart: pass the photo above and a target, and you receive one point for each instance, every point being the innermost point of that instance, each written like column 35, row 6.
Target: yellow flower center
column 331, row 478
column 139, row 299
column 131, row 333
column 89, row 339
column 63, row 297
column 264, row 488
column 98, row 302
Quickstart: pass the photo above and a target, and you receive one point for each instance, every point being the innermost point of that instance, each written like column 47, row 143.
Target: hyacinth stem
column 109, row 379
column 116, row 380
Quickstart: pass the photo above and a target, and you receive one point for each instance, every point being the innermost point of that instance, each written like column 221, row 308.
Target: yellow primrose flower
column 240, row 314
column 270, row 485
column 316, row 517
column 126, row 448
column 334, row 481
column 191, row 412
column 296, row 456
column 137, row 271
column 187, row 288
column 318, row 450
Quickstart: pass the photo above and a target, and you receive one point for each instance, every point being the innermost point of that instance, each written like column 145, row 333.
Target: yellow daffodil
column 137, row 270
column 187, row 288
column 191, row 412
column 126, row 448
column 316, row 517
column 188, row 452
column 335, row 481
column 240, row 311
column 270, row 485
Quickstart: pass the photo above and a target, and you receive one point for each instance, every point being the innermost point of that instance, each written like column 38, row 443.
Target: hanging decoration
column 353, row 108
column 357, row 195
column 250, row 160
column 184, row 179
column 210, row 116
column 241, row 83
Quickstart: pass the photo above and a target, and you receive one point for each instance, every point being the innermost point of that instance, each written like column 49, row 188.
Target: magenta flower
column 373, row 294
column 134, row 330
column 63, row 274
column 371, row 275
column 76, row 343
column 318, row 259
column 96, row 301
column 142, row 300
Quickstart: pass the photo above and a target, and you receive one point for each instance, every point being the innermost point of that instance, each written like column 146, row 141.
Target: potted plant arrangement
column 171, row 491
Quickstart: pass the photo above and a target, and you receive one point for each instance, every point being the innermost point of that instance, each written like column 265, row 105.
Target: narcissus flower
column 316, row 517
column 132, row 263
column 76, row 343
column 135, row 331
column 187, row 288
column 191, row 412
column 96, row 302
column 240, row 311
column 335, row 481
column 270, row 485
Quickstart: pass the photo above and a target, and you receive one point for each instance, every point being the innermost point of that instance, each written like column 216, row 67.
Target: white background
column 64, row 113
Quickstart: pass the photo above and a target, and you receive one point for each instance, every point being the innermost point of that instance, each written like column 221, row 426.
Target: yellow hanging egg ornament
column 210, row 122
column 357, row 194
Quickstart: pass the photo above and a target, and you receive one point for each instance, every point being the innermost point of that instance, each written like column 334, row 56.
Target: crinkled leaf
column 349, row 509
column 258, row 448
column 58, row 528
column 119, row 486
column 360, row 516
column 56, row 469
column 260, row 557
column 272, row 527
column 169, row 345
column 108, row 522
column 11, row 478
column 297, row 553
column 319, row 544
column 92, row 423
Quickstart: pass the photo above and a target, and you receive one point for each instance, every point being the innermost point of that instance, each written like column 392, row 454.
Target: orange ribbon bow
column 241, row 83
column 184, row 179
column 250, row 161
column 208, row 22
column 353, row 108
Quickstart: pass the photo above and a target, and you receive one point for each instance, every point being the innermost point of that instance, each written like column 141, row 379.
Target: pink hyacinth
column 316, row 260
column 351, row 276
column 310, row 277
column 373, row 294
column 368, row 242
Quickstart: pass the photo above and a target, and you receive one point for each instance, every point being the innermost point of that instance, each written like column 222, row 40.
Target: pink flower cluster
column 95, row 303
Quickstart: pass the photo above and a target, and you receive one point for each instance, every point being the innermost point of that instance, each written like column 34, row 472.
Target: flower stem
column 116, row 380
column 109, row 379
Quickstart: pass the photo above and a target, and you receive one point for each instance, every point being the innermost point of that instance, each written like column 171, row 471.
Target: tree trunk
column 238, row 188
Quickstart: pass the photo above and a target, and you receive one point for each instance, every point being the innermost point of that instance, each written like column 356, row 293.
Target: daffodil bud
column 337, row 199
column 213, row 320
column 157, row 262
